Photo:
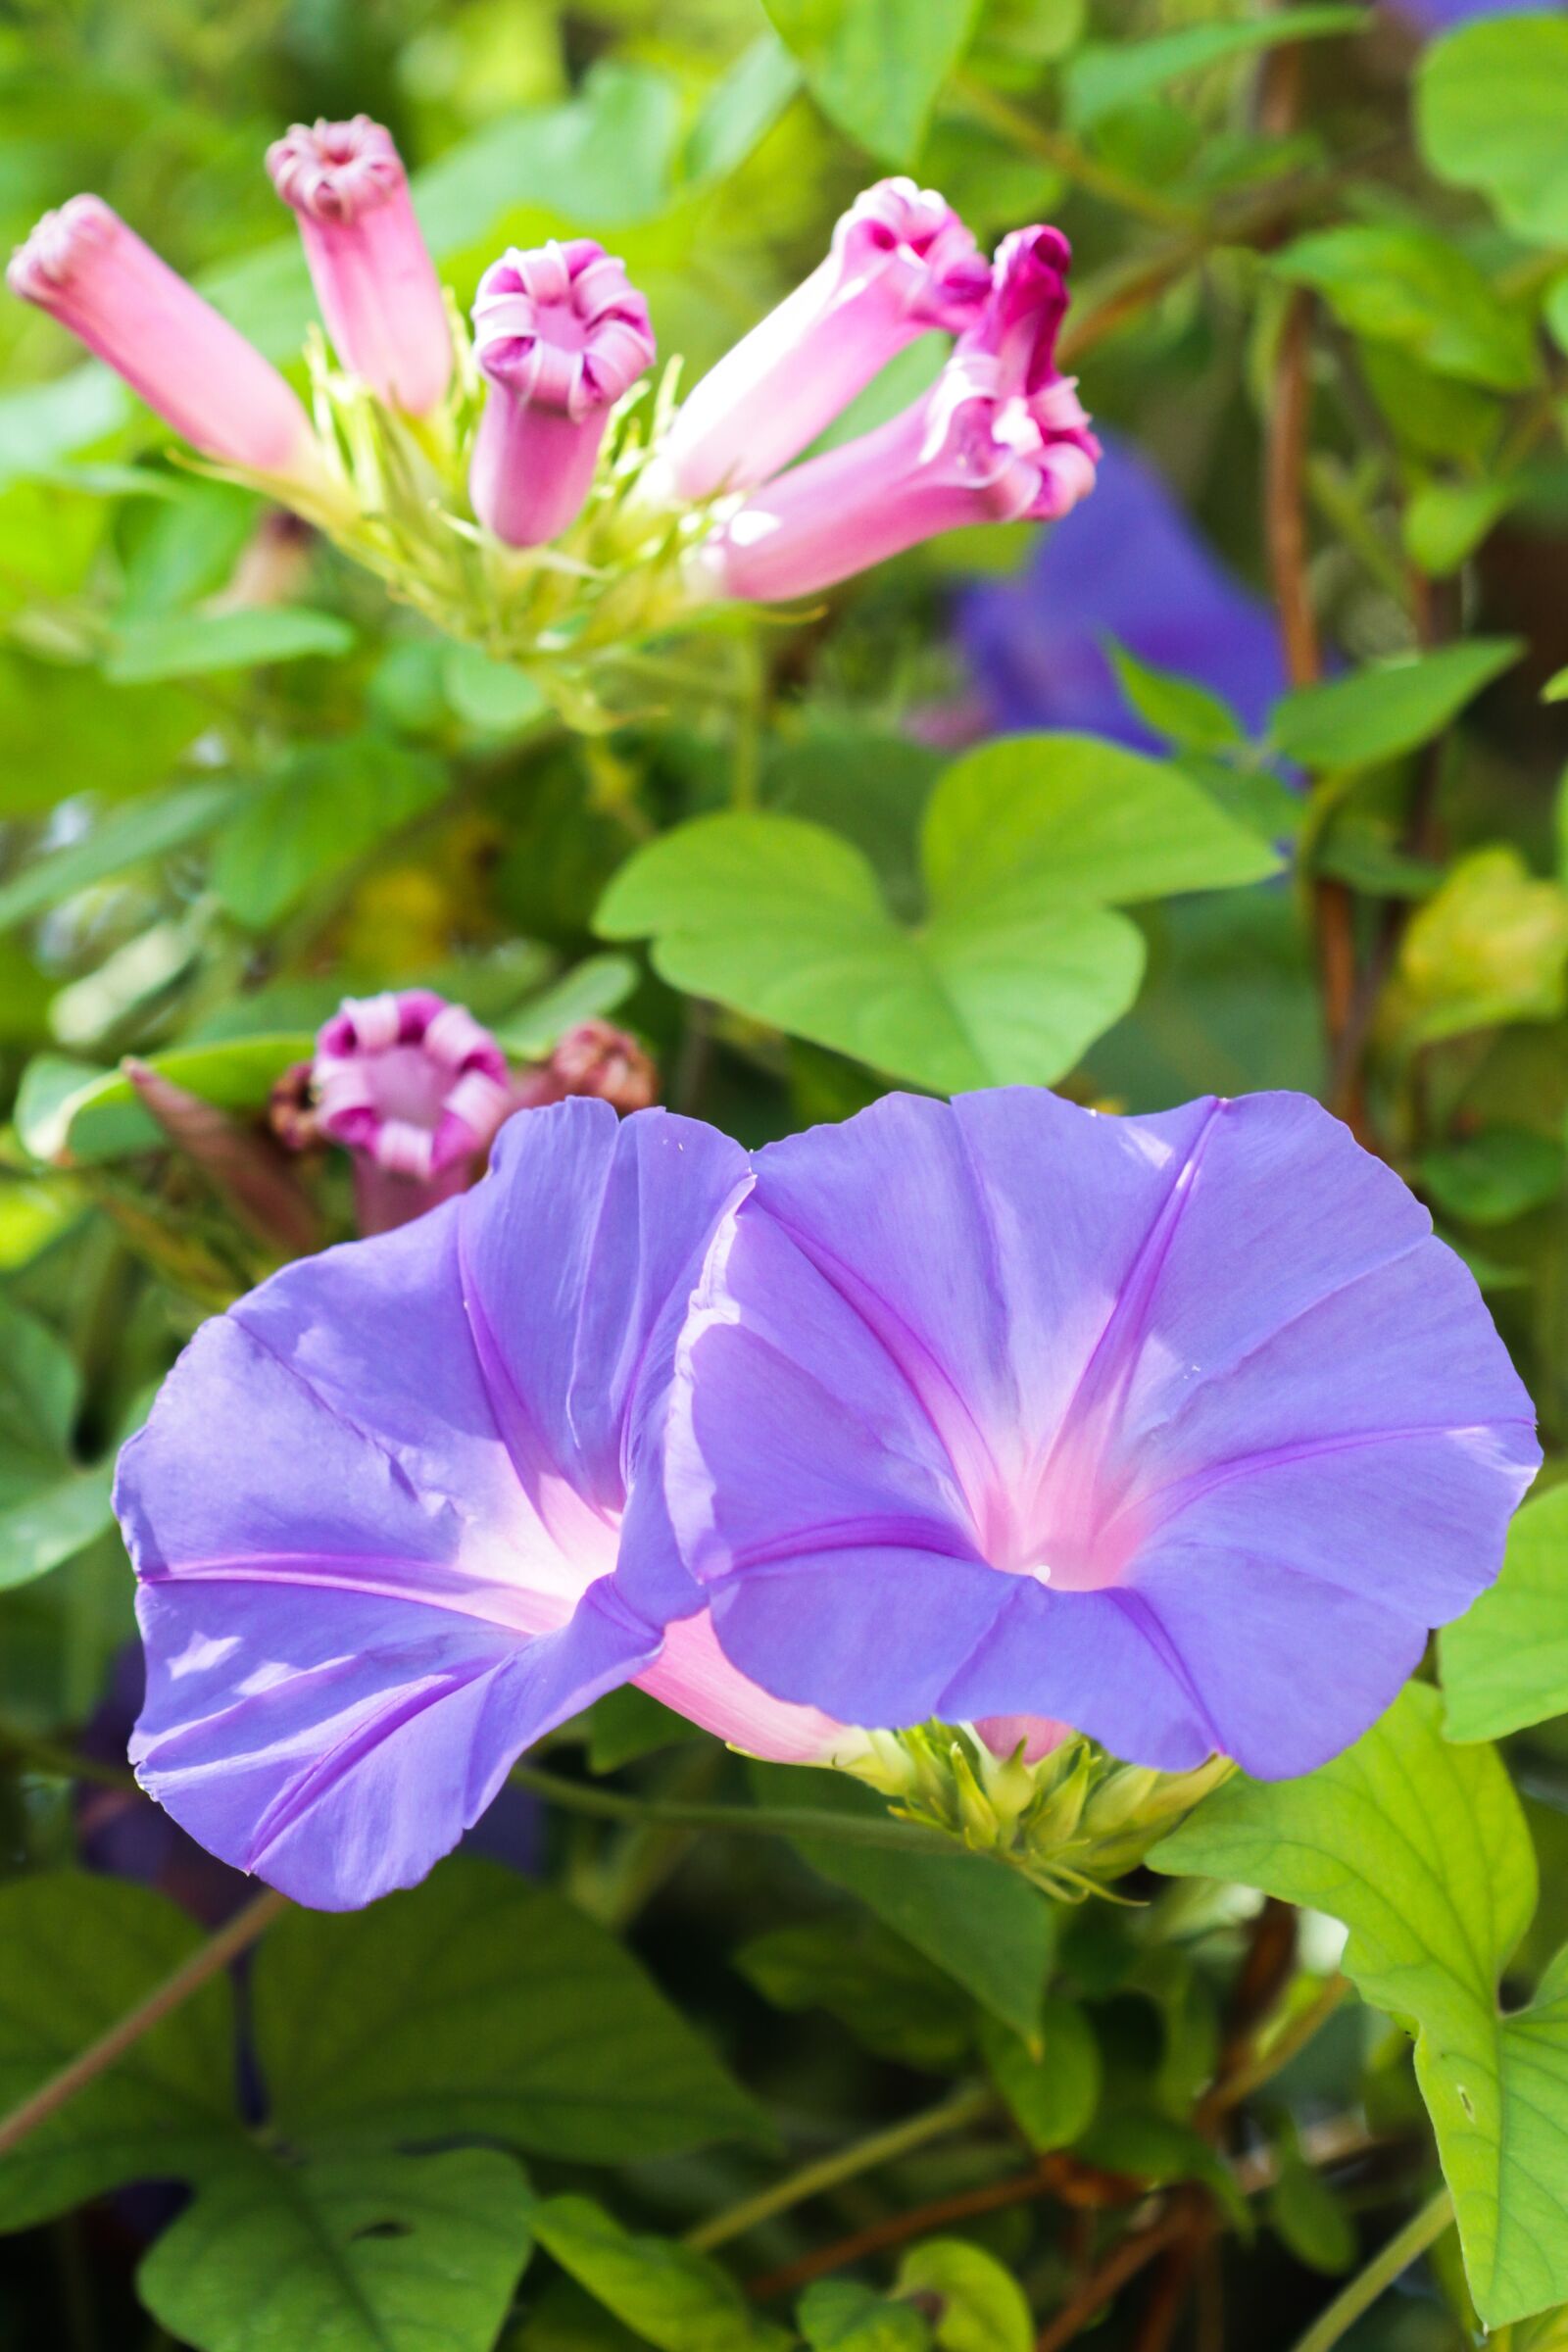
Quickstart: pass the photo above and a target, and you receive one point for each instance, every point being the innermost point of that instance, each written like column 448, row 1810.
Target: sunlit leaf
column 1421, row 1848
column 1379, row 714
column 876, row 67
column 1505, row 1662
column 676, row 2300
column 1492, row 113
column 981, row 2306
column 1020, row 965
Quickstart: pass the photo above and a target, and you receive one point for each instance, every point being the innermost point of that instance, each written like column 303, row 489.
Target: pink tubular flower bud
column 374, row 279
column 1038, row 1735
column 86, row 269
column 999, row 437
column 561, row 337
column 415, row 1089
column 900, row 263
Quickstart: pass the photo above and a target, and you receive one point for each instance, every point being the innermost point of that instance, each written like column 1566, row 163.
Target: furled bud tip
column 561, row 337
column 86, row 269
column 900, row 263
column 374, row 279
column 999, row 437
column 415, row 1089
column 593, row 1058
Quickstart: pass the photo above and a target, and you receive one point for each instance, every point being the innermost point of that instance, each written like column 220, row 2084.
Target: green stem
column 62, row 1762
column 220, row 1948
column 783, row 1820
column 1391, row 2262
column 1063, row 153
column 882, row 2147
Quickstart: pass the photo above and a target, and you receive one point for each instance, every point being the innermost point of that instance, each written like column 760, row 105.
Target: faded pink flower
column 593, row 1058
column 92, row 274
column 373, row 277
column 561, row 336
column 900, row 263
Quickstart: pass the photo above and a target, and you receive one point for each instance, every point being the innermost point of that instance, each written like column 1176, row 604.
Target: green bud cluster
column 396, row 500
column 1074, row 1822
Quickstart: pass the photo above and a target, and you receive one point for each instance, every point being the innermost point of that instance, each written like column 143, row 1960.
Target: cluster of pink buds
column 999, row 437
column 560, row 338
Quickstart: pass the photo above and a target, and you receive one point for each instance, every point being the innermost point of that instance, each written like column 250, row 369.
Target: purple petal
column 1181, row 1429
column 372, row 1500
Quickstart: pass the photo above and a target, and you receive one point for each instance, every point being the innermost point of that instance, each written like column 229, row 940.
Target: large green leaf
column 677, row 2300
column 478, row 2004
column 876, row 67
column 1405, row 285
column 1105, row 77
column 76, row 1953
column 1505, row 1663
column 358, row 2254
column 1379, row 714
column 1421, row 1848
column 1492, row 113
column 1018, row 966
column 981, row 1922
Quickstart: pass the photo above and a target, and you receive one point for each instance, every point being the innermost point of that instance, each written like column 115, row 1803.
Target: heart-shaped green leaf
column 1017, row 967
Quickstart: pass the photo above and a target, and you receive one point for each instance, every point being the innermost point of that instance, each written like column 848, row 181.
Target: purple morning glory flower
column 1441, row 16
column 1182, row 1429
column 1132, row 567
column 381, row 1510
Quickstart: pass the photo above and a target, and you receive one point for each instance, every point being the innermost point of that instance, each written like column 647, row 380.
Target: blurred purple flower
column 380, row 1511
column 1433, row 16
column 1183, row 1429
column 1133, row 568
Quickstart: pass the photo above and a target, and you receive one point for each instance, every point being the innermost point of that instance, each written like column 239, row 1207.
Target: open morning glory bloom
column 372, row 273
column 900, row 263
column 415, row 1089
column 1182, row 1429
column 559, row 336
column 380, row 1507
column 999, row 436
